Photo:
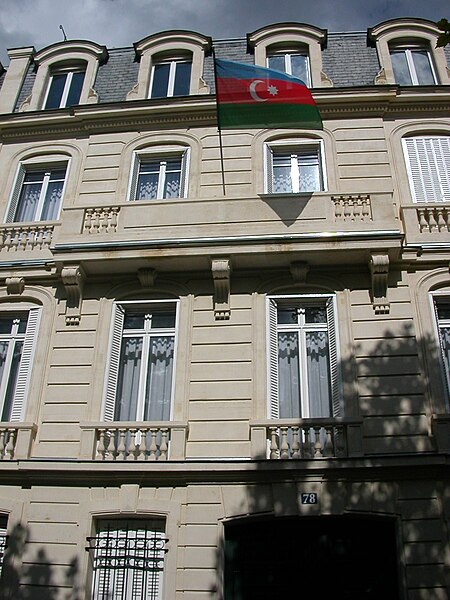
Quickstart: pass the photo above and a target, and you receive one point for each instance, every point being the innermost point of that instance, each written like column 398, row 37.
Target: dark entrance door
column 346, row 558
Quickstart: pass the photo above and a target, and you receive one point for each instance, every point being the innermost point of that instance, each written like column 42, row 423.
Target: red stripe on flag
column 276, row 91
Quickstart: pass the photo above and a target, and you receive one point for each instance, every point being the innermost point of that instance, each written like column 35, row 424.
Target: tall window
column 442, row 313
column 38, row 193
column 295, row 63
column 171, row 78
column 65, row 88
column 128, row 559
column 140, row 379
column 303, row 374
column 297, row 169
column 17, row 338
column 159, row 177
column 428, row 165
column 412, row 65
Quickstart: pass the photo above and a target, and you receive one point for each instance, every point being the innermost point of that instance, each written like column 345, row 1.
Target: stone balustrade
column 26, row 237
column 129, row 440
column 16, row 440
column 433, row 218
column 352, row 208
column 306, row 438
column 101, row 220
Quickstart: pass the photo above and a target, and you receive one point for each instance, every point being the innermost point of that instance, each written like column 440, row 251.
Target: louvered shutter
column 184, row 174
column 113, row 366
column 335, row 386
column 134, row 178
column 15, row 195
column 274, row 408
column 269, row 169
column 26, row 361
column 428, row 165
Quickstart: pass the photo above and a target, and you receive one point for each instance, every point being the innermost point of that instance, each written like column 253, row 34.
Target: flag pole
column 218, row 126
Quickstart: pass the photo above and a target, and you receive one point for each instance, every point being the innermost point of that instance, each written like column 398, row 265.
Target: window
column 38, row 193
column 297, row 169
column 171, row 78
column 303, row 377
column 412, row 65
column 428, row 166
column 128, row 559
column 293, row 63
column 159, row 177
column 17, row 339
column 442, row 313
column 3, row 540
column 140, row 378
column 64, row 88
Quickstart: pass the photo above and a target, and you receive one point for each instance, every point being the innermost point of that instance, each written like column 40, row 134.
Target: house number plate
column 309, row 498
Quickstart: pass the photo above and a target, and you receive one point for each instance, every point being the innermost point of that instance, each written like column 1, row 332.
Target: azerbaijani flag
column 251, row 97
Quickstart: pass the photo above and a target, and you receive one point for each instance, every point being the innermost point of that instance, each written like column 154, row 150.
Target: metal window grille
column 127, row 560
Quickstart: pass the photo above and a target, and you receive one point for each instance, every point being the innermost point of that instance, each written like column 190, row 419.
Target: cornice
column 201, row 111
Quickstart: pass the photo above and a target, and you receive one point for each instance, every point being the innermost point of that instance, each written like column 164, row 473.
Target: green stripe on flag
column 240, row 116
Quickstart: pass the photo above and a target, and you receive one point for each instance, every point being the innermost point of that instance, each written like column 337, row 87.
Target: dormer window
column 171, row 78
column 295, row 63
column 412, row 65
column 65, row 88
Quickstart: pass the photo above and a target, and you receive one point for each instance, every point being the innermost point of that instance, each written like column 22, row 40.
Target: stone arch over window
column 171, row 64
column 66, row 74
column 288, row 43
column 408, row 54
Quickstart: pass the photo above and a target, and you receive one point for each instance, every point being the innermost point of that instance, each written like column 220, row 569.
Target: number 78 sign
column 308, row 498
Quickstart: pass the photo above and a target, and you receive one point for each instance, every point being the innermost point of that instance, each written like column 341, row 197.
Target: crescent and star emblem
column 273, row 91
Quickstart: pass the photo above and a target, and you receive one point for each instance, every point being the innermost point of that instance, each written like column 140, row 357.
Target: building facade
column 225, row 392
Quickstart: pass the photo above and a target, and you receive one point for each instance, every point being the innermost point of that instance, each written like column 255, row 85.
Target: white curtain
column 128, row 382
column 11, row 375
column 159, row 379
column 288, row 375
column 28, row 202
column 318, row 374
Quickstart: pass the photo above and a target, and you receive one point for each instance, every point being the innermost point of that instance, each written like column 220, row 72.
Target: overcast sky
column 118, row 23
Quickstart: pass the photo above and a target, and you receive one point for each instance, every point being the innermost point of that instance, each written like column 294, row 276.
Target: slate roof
column 347, row 60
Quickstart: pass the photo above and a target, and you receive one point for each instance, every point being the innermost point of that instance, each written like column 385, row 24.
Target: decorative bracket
column 379, row 270
column 221, row 271
column 299, row 271
column 15, row 285
column 73, row 280
column 147, row 277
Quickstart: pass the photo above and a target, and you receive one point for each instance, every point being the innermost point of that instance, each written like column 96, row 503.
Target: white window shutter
column 113, row 366
column 274, row 408
column 26, row 361
column 15, row 195
column 134, row 178
column 428, row 165
column 184, row 174
column 336, row 401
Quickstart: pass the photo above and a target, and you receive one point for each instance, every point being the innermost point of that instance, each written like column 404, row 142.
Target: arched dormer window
column 171, row 64
column 65, row 75
column 293, row 48
column 407, row 52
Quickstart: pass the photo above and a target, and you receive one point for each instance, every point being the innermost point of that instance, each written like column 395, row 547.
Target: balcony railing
column 16, row 440
column 306, row 438
column 21, row 237
column 427, row 223
column 132, row 441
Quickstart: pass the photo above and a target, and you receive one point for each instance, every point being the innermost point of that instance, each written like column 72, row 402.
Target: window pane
column 6, row 325
column 318, row 374
column 28, row 201
column 182, row 79
column 299, row 67
column 52, row 201
column 401, row 69
column 309, row 178
column 315, row 314
column 56, row 91
column 75, row 88
column 128, row 380
column 133, row 321
column 277, row 62
column 162, row 320
column 282, row 174
column 147, row 187
column 172, row 185
column 287, row 315
column 443, row 311
column 288, row 375
column 12, row 381
column 160, row 80
column 424, row 73
column 159, row 379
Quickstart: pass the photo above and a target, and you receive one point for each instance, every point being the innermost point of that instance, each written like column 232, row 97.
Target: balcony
column 132, row 441
column 21, row 238
column 16, row 440
column 426, row 223
column 284, row 439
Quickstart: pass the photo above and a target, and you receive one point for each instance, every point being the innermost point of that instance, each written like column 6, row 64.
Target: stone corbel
column 299, row 271
column 379, row 270
column 325, row 80
column 380, row 77
column 221, row 271
column 92, row 97
column 147, row 277
column 133, row 94
column 73, row 279
column 15, row 285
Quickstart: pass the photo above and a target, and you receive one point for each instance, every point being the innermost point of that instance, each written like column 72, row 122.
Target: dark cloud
column 121, row 22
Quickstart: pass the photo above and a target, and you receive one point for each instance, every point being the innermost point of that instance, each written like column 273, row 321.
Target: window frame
column 69, row 72
column 121, row 581
column 173, row 63
column 287, row 53
column 18, row 403
column 417, row 171
column 272, row 329
column 45, row 167
column 437, row 323
column 294, row 147
column 408, row 48
column 139, row 156
column 114, row 352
